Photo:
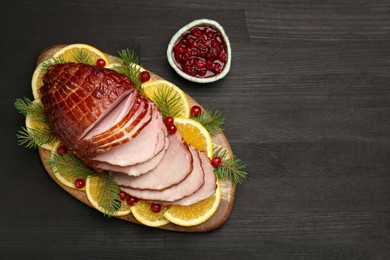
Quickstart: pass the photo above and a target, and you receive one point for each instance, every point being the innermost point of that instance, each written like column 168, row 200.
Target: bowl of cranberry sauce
column 200, row 51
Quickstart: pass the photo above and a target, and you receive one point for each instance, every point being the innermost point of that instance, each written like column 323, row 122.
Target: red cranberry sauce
column 201, row 52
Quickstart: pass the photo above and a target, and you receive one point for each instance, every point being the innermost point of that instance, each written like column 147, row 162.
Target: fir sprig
column 129, row 66
column 231, row 168
column 167, row 101
column 109, row 194
column 83, row 56
column 69, row 165
column 31, row 109
column 51, row 62
column 211, row 120
column 32, row 138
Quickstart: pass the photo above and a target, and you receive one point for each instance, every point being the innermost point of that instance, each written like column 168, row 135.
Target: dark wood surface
column 306, row 105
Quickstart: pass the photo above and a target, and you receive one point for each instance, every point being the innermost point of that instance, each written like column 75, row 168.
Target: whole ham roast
column 99, row 115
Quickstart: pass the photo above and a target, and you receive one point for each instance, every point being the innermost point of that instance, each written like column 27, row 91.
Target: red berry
column 62, row 150
column 79, row 183
column 100, row 63
column 145, row 76
column 202, row 72
column 223, row 57
column 171, row 129
column 195, row 111
column 156, row 208
column 131, row 200
column 122, row 195
column 217, row 68
column 216, row 161
column 169, row 121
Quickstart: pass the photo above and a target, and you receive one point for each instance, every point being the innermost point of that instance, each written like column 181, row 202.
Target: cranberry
column 122, row 195
column 131, row 200
column 169, row 121
column 216, row 161
column 62, row 150
column 171, row 129
column 156, row 208
column 100, row 63
column 195, row 110
column 198, row 51
column 79, row 183
column 145, row 76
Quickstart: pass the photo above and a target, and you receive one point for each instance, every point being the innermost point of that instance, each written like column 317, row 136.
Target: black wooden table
column 306, row 106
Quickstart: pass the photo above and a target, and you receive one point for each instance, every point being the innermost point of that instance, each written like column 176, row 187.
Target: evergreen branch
column 32, row 138
column 51, row 62
column 167, row 101
column 130, row 67
column 83, row 56
column 211, row 120
column 231, row 168
column 69, row 165
column 31, row 109
column 109, row 194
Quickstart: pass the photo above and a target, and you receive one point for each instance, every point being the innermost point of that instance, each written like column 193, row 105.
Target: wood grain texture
column 306, row 105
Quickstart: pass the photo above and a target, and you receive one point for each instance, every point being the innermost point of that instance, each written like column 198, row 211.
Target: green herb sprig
column 32, row 109
column 167, row 101
column 109, row 194
column 130, row 67
column 212, row 120
column 83, row 56
column 231, row 168
column 69, row 165
column 51, row 62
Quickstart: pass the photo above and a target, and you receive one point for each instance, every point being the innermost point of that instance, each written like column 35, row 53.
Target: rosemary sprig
column 231, row 168
column 211, row 120
column 129, row 66
column 69, row 165
column 109, row 194
column 31, row 109
column 167, row 101
column 51, row 62
column 82, row 56
column 32, row 138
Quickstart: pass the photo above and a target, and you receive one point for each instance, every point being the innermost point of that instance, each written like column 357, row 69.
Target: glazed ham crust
column 77, row 96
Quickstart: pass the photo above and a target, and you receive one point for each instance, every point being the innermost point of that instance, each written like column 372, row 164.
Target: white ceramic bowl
column 187, row 27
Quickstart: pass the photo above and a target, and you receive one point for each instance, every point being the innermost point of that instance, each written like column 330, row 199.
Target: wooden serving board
column 228, row 188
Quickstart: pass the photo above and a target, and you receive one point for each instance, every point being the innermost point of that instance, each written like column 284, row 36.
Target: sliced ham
column 185, row 188
column 142, row 148
column 174, row 167
column 206, row 190
column 137, row 169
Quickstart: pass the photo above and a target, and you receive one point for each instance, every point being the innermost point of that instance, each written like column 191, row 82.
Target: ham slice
column 142, row 148
column 174, row 167
column 206, row 190
column 185, row 188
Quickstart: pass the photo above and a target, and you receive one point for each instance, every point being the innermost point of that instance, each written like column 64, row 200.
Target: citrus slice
column 174, row 99
column 37, row 81
column 197, row 213
column 195, row 135
column 94, row 195
column 81, row 53
column 143, row 213
column 37, row 125
column 63, row 177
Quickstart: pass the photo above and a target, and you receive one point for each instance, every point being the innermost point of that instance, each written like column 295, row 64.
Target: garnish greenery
column 69, row 165
column 52, row 61
column 82, row 56
column 32, row 109
column 167, row 101
column 129, row 66
column 32, row 138
column 109, row 194
column 211, row 120
column 231, row 168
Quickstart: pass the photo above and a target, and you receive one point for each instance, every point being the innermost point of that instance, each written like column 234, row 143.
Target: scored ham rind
column 148, row 143
column 77, row 96
column 174, row 167
column 188, row 186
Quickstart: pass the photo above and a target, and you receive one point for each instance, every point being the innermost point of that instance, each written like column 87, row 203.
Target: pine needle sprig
column 32, row 138
column 51, row 62
column 31, row 109
column 231, row 168
column 129, row 66
column 109, row 194
column 167, row 101
column 83, row 56
column 212, row 120
column 69, row 165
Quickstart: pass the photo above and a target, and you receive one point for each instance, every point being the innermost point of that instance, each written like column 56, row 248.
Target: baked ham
column 100, row 116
